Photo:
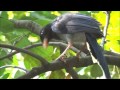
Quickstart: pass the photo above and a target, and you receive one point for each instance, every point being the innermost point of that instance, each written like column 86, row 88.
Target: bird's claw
column 62, row 58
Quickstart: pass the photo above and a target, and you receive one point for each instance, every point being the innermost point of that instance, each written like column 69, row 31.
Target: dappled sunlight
column 2, row 38
column 56, row 13
column 21, row 46
column 33, row 39
column 10, row 14
column 74, row 11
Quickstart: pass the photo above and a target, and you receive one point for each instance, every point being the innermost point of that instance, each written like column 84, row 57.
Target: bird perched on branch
column 76, row 29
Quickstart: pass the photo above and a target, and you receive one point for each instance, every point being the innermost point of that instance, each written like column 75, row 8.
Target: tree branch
column 56, row 65
column 68, row 69
column 42, row 60
column 105, row 28
column 61, row 44
column 28, row 24
column 112, row 53
column 72, row 72
column 10, row 66
column 72, row 62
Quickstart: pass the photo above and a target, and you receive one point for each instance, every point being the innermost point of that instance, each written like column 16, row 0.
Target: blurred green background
column 22, row 37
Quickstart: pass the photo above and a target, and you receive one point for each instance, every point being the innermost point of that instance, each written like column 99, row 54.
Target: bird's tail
column 97, row 53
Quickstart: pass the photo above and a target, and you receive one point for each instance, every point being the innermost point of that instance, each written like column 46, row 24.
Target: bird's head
column 46, row 35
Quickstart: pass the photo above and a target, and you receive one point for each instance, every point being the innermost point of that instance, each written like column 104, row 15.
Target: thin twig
column 42, row 60
column 105, row 28
column 61, row 44
column 112, row 53
column 10, row 66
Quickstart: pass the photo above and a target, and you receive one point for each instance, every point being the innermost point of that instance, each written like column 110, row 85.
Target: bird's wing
column 68, row 24
column 97, row 53
column 82, row 25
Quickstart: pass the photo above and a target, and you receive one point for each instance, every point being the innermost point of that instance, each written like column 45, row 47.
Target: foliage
column 21, row 38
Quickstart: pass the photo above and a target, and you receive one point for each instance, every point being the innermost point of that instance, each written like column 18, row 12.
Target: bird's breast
column 77, row 39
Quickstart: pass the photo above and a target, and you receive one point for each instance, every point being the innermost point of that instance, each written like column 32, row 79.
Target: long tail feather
column 97, row 53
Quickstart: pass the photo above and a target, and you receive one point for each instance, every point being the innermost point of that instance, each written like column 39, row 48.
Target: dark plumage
column 76, row 30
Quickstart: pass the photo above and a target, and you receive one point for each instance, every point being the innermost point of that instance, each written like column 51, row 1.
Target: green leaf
column 4, row 15
column 84, row 77
column 2, row 71
column 96, row 71
column 47, row 14
column 113, row 45
column 20, row 31
column 59, row 74
column 19, row 73
column 42, row 76
column 42, row 22
column 23, row 42
column 87, row 69
column 85, row 12
column 31, row 62
column 100, row 16
column 19, row 14
column 3, row 53
column 5, row 76
column 6, row 26
column 27, row 64
column 46, row 53
column 115, row 71
column 15, row 60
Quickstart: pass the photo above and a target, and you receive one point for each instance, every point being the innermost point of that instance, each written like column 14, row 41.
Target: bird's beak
column 45, row 42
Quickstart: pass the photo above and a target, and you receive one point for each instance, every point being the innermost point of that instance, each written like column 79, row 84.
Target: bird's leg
column 69, row 45
column 82, row 49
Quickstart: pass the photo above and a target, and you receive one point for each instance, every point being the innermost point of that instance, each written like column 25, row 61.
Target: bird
column 77, row 30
